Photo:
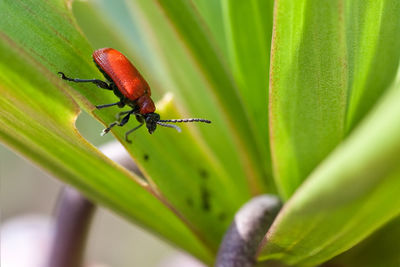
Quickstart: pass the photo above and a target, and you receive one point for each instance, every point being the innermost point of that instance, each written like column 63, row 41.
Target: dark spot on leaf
column 189, row 201
column 205, row 199
column 222, row 216
column 146, row 157
column 203, row 173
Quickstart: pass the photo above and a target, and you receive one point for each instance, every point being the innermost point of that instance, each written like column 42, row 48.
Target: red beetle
column 131, row 88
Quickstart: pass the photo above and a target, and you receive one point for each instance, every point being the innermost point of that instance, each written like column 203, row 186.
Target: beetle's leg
column 99, row 83
column 140, row 118
column 122, row 113
column 130, row 131
column 119, row 104
column 106, row 130
column 122, row 123
column 125, row 119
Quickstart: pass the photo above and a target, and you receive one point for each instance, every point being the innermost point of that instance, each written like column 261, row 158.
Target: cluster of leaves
column 303, row 97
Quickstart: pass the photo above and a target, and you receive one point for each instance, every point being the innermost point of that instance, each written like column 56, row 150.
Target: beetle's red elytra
column 132, row 90
column 126, row 77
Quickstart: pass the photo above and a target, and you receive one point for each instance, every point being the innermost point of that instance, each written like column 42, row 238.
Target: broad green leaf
column 323, row 77
column 379, row 249
column 37, row 40
column 248, row 26
column 373, row 45
column 37, row 120
column 349, row 196
column 211, row 13
column 89, row 19
column 185, row 20
column 308, row 88
column 111, row 24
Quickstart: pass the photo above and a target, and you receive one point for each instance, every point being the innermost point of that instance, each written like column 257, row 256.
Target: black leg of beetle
column 125, row 119
column 99, row 83
column 118, row 116
column 106, row 130
column 119, row 104
column 122, row 123
column 130, row 131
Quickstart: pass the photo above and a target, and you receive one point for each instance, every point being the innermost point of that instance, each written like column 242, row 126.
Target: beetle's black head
column 151, row 120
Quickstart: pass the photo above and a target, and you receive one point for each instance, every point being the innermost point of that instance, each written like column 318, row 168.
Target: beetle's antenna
column 186, row 120
column 170, row 126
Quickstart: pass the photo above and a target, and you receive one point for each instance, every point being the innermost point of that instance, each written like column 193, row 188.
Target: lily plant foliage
column 302, row 95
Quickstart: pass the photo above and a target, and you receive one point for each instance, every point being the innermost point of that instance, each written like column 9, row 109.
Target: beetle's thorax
column 146, row 104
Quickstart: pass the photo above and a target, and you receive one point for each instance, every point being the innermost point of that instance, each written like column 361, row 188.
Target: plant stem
column 74, row 213
column 242, row 240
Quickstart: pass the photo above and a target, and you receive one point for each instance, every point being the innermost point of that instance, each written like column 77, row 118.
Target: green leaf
column 308, row 88
column 211, row 12
column 379, row 249
column 248, row 140
column 350, row 195
column 248, row 26
column 37, row 118
column 325, row 77
column 373, row 47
